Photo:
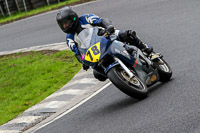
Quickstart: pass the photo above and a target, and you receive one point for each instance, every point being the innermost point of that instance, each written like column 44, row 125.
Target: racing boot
column 135, row 40
column 131, row 38
column 145, row 48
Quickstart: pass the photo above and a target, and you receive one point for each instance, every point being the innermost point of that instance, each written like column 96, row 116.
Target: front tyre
column 133, row 87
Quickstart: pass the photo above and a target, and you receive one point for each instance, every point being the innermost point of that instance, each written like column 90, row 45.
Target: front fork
column 131, row 75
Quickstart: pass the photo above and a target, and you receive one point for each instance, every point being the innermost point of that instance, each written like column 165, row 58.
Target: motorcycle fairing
column 94, row 48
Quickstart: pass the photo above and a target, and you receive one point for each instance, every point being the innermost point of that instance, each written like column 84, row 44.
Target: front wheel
column 133, row 87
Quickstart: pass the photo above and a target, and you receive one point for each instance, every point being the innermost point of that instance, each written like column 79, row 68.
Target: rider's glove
column 110, row 30
column 75, row 50
column 79, row 58
column 72, row 46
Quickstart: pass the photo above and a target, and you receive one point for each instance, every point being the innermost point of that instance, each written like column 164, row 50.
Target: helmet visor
column 66, row 24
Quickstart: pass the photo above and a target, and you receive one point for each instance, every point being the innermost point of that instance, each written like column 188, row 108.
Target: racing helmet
column 67, row 19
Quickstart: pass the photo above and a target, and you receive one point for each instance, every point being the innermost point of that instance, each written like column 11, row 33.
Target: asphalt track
column 172, row 27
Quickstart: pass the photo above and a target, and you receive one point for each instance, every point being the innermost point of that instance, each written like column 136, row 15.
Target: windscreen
column 85, row 37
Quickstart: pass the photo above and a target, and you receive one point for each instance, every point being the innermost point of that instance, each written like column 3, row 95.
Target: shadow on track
column 159, row 86
column 121, row 103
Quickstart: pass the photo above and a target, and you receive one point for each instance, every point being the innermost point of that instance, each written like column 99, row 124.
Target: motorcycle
column 131, row 72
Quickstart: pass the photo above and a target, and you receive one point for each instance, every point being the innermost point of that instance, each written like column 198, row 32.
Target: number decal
column 93, row 53
column 95, row 50
column 88, row 53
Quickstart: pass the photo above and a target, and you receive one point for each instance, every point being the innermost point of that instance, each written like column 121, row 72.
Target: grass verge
column 21, row 15
column 27, row 78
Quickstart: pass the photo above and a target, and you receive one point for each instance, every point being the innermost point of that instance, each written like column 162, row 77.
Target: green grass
column 21, row 15
column 27, row 78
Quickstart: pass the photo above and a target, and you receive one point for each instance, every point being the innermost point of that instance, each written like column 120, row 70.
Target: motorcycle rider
column 72, row 25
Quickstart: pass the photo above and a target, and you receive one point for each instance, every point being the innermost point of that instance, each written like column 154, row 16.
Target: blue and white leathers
column 86, row 21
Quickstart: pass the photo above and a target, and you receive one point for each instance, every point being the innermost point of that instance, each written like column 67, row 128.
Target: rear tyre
column 133, row 87
column 164, row 70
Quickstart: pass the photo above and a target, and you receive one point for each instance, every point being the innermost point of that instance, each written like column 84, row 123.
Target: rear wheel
column 133, row 87
column 164, row 70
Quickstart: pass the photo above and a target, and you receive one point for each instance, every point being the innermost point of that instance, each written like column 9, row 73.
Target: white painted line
column 54, row 104
column 49, row 105
column 76, row 106
column 54, row 46
column 66, row 92
column 9, row 131
column 24, row 119
column 85, row 81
